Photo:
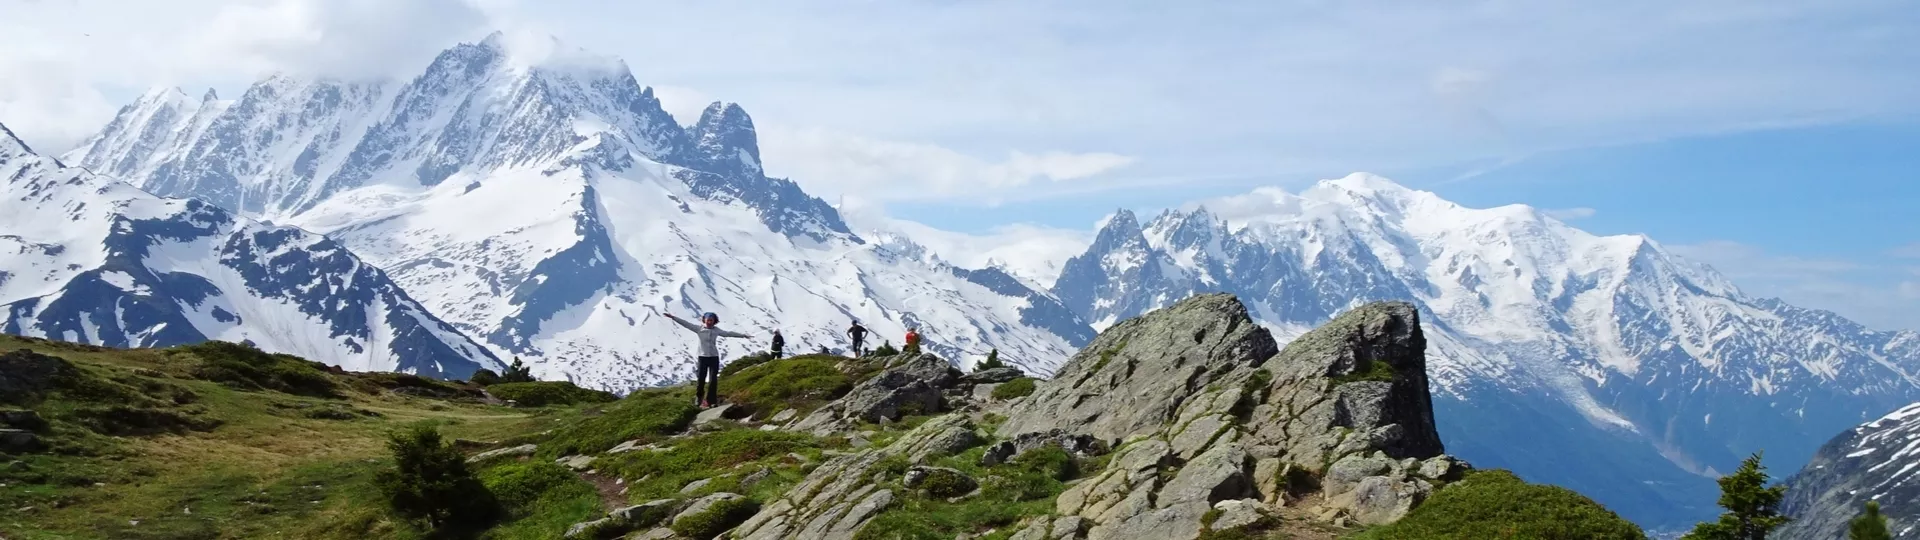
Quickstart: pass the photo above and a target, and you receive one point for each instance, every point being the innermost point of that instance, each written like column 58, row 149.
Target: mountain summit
column 543, row 201
column 1655, row 373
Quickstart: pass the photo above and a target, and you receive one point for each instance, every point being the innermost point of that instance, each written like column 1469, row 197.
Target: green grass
column 1017, row 388
column 542, row 499
column 745, row 362
column 214, row 441
column 1373, row 370
column 800, row 382
column 544, row 393
column 1495, row 504
column 1009, row 492
column 646, row 415
column 660, row 475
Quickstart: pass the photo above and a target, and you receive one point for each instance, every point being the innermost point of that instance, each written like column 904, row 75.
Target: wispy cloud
column 830, row 163
column 1908, row 251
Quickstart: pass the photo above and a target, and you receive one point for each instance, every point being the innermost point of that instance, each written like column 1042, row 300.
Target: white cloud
column 1028, row 251
column 1870, row 294
column 830, row 163
column 70, row 64
column 1570, row 214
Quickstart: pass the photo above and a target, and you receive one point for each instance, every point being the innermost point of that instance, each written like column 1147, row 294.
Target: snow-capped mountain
column 553, row 209
column 1877, row 461
column 1604, row 364
column 85, row 258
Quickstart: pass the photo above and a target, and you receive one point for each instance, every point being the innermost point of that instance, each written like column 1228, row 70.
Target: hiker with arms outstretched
column 858, row 334
column 706, row 369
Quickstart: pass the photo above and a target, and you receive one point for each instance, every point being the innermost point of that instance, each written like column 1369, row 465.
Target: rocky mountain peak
column 1878, row 460
column 725, row 137
column 11, row 147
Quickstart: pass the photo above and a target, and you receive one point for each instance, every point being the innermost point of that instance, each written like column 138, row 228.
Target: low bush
column 1016, row 388
column 244, row 367
column 1495, row 504
column 885, row 349
column 430, row 482
column 992, row 361
column 544, row 393
column 718, row 518
column 645, row 415
column 484, row 377
column 745, row 362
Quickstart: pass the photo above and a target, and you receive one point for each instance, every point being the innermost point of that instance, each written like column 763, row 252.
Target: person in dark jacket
column 859, row 335
column 779, row 343
column 706, row 369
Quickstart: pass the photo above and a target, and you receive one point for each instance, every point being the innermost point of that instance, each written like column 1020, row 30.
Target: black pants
column 706, row 376
column 857, row 349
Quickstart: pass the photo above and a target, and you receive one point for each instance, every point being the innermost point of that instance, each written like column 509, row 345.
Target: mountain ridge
column 544, row 202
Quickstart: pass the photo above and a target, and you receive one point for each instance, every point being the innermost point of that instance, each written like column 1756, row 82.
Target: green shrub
column 645, row 415
column 885, row 349
column 517, row 372
column 430, row 482
column 244, row 367
column 1495, row 504
column 719, row 517
column 484, row 377
column 992, row 362
column 801, row 382
column 1016, row 388
column 1372, row 370
column 544, row 393
column 745, row 362
column 944, row 483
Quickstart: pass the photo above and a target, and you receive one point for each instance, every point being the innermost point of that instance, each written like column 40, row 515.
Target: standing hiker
column 779, row 343
column 913, row 341
column 706, row 369
column 858, row 334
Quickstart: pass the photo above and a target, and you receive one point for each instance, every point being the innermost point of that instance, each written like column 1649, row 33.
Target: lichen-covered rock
column 910, row 385
column 940, row 482
column 1078, row 445
column 994, row 375
column 1210, row 409
column 841, row 495
column 1237, row 513
column 711, row 515
column 645, row 514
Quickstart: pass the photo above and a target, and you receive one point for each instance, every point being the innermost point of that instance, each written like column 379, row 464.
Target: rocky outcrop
column 910, row 385
column 26, row 375
column 1204, row 409
column 843, row 494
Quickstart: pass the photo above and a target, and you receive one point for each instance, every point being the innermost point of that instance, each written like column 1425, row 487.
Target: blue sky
column 1767, row 137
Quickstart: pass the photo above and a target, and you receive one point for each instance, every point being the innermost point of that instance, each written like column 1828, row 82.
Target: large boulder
column 1204, row 408
column 909, row 385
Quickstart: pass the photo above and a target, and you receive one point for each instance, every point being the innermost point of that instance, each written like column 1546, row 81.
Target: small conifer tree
column 518, row 372
column 430, row 482
column 992, row 361
column 1753, row 509
column 1869, row 525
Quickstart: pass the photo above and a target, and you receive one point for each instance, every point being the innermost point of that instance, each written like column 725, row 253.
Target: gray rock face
column 911, row 384
column 1205, row 409
column 840, row 496
column 21, row 419
column 645, row 514
column 995, row 375
column 17, row 441
column 1079, row 445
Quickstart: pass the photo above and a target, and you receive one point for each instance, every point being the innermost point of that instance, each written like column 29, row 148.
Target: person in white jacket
column 706, row 370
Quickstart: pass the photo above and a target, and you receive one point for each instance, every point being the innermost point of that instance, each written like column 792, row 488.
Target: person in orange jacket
column 913, row 341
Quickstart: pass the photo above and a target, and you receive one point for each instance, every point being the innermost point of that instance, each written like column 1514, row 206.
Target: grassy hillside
column 223, row 441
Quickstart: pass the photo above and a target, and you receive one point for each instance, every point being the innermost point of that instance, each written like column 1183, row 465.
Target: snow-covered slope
column 88, row 259
column 1651, row 373
column 554, row 209
column 1877, row 461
